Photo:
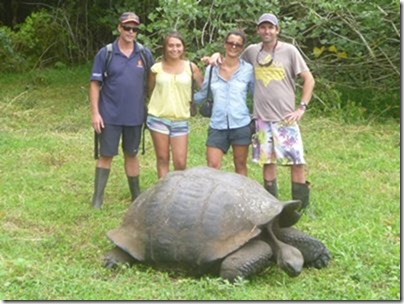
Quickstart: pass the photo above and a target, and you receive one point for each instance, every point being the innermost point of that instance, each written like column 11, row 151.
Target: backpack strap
column 143, row 57
column 209, row 81
column 146, row 65
column 107, row 59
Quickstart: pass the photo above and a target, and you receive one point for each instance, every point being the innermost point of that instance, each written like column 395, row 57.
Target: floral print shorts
column 277, row 143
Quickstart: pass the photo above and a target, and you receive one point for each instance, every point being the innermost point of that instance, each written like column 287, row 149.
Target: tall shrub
column 10, row 59
column 41, row 39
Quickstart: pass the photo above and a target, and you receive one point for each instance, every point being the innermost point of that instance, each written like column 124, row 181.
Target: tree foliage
column 353, row 47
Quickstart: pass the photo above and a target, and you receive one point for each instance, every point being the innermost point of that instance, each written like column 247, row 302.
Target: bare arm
column 152, row 82
column 307, row 93
column 94, row 95
column 308, row 86
column 198, row 77
column 215, row 59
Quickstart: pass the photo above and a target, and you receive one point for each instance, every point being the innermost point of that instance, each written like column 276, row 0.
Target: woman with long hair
column 170, row 85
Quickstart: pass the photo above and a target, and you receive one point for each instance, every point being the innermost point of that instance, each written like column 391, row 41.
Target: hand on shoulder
column 214, row 59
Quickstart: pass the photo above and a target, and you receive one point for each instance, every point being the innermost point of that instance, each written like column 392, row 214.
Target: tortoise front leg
column 249, row 259
column 117, row 256
column 315, row 253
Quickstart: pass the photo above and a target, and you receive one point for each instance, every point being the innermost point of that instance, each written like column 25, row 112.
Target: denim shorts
column 167, row 126
column 223, row 139
column 111, row 134
column 277, row 143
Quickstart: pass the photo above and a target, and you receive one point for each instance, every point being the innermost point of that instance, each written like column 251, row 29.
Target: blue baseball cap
column 271, row 18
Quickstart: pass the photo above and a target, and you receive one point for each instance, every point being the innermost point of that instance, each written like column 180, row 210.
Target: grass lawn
column 52, row 240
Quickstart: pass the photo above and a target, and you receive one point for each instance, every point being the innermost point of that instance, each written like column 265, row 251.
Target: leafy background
column 351, row 46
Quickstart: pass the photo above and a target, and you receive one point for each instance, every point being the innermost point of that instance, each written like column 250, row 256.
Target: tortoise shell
column 195, row 216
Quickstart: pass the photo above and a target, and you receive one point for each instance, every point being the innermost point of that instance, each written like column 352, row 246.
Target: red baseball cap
column 129, row 17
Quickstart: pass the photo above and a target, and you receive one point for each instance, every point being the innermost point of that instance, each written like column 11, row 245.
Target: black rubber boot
column 301, row 192
column 101, row 178
column 271, row 187
column 134, row 187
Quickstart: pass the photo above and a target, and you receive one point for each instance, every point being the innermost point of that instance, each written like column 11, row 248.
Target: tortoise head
column 290, row 259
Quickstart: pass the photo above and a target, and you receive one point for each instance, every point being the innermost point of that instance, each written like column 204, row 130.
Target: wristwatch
column 303, row 106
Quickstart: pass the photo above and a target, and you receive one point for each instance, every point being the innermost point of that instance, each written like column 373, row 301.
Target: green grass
column 52, row 240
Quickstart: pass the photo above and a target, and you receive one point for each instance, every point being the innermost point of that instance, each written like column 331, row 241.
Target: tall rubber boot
column 101, row 178
column 271, row 187
column 134, row 187
column 301, row 192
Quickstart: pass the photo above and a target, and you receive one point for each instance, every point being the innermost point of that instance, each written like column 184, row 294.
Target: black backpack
column 143, row 57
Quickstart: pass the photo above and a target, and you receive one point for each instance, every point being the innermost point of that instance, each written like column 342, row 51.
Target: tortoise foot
column 117, row 256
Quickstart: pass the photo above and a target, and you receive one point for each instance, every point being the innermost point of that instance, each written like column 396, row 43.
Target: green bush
column 41, row 39
column 354, row 105
column 348, row 45
column 378, row 104
column 9, row 58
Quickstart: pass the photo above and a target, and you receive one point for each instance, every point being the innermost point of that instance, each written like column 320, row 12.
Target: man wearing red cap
column 117, row 95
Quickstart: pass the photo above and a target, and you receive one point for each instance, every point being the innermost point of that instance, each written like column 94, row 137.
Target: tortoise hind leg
column 249, row 259
column 117, row 256
column 315, row 253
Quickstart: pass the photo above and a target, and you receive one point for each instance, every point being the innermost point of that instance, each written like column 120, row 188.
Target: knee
column 240, row 162
column 214, row 164
column 241, row 168
column 180, row 164
column 104, row 161
column 162, row 160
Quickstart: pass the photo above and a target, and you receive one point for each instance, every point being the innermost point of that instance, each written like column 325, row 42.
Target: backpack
column 143, row 57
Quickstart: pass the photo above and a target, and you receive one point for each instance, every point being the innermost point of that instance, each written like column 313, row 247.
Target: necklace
column 269, row 59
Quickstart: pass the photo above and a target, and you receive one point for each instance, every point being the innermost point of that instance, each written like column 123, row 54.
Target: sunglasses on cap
column 130, row 28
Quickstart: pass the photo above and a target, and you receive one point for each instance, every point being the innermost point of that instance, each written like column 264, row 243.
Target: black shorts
column 223, row 139
column 111, row 135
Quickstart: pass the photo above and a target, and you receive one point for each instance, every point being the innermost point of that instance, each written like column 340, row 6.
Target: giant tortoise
column 207, row 220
